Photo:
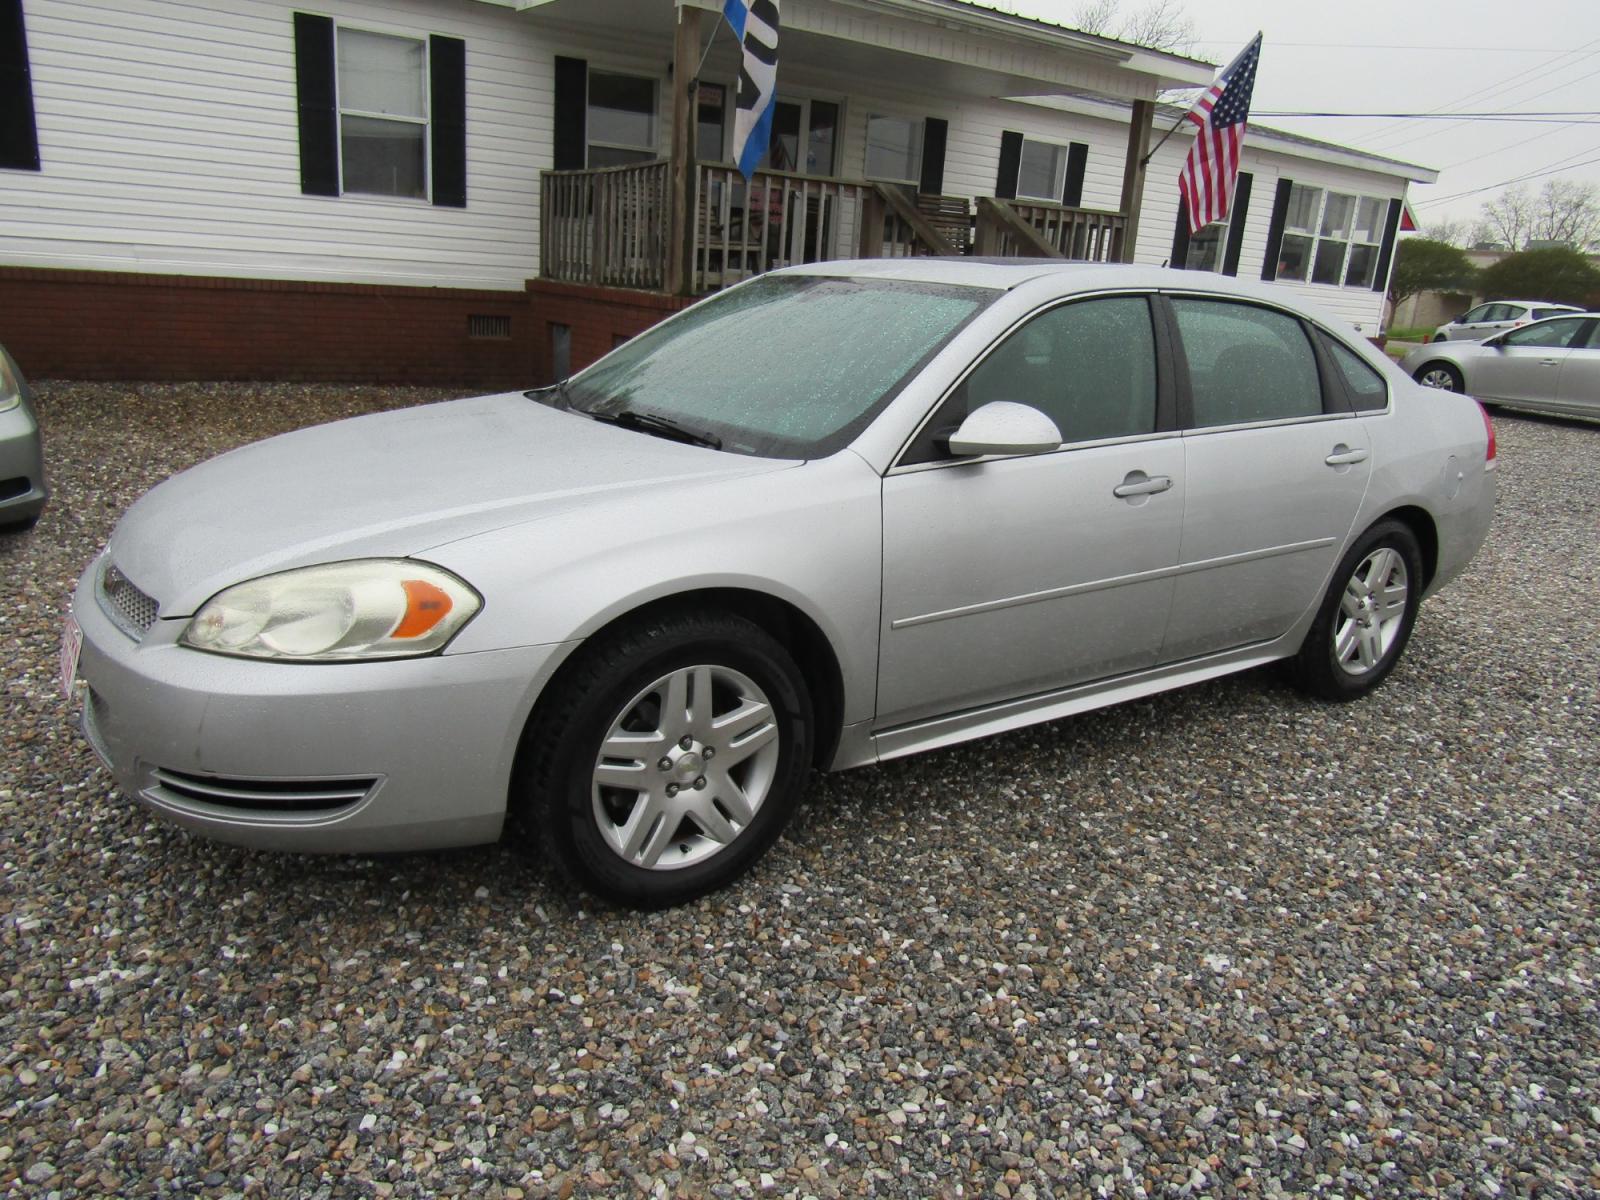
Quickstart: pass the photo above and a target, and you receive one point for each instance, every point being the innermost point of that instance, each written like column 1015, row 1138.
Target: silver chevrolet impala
column 828, row 517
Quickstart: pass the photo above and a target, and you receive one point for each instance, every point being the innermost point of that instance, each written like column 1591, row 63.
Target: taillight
column 1488, row 428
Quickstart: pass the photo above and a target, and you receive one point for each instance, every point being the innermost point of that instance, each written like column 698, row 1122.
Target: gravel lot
column 1227, row 941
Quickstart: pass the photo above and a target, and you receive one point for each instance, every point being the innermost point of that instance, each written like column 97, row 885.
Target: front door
column 1526, row 364
column 1580, row 374
column 1007, row 577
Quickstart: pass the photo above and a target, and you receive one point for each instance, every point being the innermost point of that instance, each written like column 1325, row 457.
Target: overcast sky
column 1450, row 55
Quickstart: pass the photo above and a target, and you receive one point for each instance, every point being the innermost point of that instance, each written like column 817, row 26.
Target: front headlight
column 370, row 608
column 10, row 387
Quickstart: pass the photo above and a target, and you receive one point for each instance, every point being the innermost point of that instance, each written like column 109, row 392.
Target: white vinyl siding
column 171, row 146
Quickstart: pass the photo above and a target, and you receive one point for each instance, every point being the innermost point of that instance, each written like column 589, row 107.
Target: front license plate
column 71, row 645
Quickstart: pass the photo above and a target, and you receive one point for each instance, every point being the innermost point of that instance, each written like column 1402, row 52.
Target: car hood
column 388, row 485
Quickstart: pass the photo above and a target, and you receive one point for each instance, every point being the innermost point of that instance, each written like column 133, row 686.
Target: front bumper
column 22, row 486
column 407, row 754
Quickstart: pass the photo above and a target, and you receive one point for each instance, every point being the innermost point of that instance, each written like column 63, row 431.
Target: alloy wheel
column 684, row 767
column 1372, row 612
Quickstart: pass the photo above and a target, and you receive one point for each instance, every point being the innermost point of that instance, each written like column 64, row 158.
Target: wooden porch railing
column 605, row 226
column 609, row 226
column 1037, row 229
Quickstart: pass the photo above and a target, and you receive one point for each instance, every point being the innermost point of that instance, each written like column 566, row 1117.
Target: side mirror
column 1002, row 427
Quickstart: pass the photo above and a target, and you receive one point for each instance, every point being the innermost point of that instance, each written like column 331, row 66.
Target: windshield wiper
column 657, row 426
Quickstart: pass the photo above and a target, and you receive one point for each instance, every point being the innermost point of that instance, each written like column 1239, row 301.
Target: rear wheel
column 1366, row 618
column 668, row 757
column 1442, row 375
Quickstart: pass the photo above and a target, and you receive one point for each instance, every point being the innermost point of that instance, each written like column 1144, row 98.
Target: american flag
column 1209, row 173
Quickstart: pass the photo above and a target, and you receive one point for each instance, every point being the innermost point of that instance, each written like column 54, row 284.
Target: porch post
column 1133, row 175
column 681, row 174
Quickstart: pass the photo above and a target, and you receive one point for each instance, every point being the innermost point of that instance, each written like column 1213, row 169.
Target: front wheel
column 1441, row 375
column 1366, row 618
column 668, row 757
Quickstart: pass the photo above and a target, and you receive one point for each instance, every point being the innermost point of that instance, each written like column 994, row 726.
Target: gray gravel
column 1226, row 941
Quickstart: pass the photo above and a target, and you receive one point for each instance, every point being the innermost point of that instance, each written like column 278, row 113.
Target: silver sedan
column 1551, row 366
column 22, row 486
column 828, row 517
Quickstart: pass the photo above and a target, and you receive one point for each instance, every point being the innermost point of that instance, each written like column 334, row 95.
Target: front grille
column 259, row 795
column 130, row 609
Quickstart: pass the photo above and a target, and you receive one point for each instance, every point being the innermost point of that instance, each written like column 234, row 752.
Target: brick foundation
column 106, row 325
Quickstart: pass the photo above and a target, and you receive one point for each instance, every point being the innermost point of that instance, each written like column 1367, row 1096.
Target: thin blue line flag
column 755, row 23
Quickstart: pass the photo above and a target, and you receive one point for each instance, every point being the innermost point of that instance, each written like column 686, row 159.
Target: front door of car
column 1526, row 364
column 1485, row 321
column 1274, row 478
column 1004, row 577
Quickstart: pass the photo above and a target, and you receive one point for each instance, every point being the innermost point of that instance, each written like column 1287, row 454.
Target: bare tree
column 1565, row 210
column 1568, row 211
column 1160, row 24
column 1509, row 217
column 1451, row 233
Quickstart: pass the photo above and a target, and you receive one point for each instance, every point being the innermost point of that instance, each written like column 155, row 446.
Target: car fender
column 810, row 537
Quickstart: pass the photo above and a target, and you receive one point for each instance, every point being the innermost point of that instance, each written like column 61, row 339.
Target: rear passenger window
column 1368, row 391
column 1089, row 366
column 1246, row 363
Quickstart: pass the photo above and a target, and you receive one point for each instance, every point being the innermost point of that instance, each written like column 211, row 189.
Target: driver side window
column 1089, row 366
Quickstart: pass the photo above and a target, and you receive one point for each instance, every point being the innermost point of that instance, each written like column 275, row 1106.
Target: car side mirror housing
column 1004, row 427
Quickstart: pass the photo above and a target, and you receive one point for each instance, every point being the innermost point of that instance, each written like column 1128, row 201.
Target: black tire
column 1449, row 370
column 1323, row 667
column 561, row 803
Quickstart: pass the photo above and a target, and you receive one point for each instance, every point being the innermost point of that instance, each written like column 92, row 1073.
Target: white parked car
column 1496, row 317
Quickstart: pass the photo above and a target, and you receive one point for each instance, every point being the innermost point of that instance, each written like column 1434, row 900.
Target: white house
column 496, row 191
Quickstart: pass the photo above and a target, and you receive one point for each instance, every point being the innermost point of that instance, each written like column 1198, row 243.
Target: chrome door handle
column 1549, row 362
column 1139, row 484
column 1343, row 456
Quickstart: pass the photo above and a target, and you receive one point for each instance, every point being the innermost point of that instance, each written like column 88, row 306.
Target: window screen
column 1246, row 363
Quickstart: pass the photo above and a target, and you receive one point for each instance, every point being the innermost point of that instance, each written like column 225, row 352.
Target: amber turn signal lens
column 426, row 606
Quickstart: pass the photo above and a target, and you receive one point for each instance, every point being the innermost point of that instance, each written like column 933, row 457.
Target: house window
column 1331, row 238
column 383, row 113
column 19, row 138
column 711, row 106
column 894, row 149
column 622, row 119
column 1042, row 172
column 1205, row 246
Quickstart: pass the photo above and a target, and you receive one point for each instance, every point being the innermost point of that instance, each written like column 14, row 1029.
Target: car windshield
column 786, row 366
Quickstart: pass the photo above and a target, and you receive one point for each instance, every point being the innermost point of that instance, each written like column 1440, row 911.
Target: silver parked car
column 1497, row 316
column 22, row 485
column 829, row 517
column 1551, row 366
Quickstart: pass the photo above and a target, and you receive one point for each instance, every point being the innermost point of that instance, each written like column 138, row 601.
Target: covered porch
column 891, row 138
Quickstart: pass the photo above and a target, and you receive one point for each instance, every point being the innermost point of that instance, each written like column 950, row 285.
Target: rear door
column 1580, row 374
column 1276, row 466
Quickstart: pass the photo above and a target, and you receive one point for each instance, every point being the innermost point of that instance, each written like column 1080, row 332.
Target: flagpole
column 1145, row 161
column 1226, row 72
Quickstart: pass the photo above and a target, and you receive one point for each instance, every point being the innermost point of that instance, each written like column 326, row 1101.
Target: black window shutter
column 1390, row 228
column 1280, row 211
column 1005, row 182
column 19, row 136
column 1236, row 219
column 935, row 131
column 447, row 89
column 319, row 118
column 1077, row 160
column 1180, row 238
column 572, row 114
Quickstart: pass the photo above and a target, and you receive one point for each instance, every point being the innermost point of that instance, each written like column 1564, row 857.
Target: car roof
column 1008, row 273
